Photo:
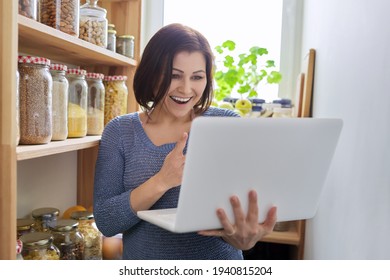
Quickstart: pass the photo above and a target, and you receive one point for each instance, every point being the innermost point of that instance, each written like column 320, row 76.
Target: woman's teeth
column 180, row 100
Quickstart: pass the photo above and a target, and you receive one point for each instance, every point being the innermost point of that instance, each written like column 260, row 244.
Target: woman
column 141, row 156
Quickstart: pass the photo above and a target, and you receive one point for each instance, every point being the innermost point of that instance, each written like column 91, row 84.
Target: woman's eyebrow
column 181, row 71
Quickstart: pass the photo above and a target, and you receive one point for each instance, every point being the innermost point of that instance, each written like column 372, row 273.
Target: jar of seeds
column 45, row 218
column 93, row 23
column 60, row 101
column 28, row 8
column 39, row 246
column 35, row 90
column 116, row 97
column 61, row 14
column 125, row 45
column 17, row 108
column 77, row 103
column 95, row 112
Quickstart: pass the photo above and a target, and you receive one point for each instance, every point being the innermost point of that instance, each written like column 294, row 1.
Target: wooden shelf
column 290, row 237
column 24, row 152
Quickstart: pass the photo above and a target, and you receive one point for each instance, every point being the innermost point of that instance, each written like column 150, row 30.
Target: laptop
column 286, row 160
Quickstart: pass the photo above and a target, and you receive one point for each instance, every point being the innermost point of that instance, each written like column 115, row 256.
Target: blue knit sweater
column 127, row 158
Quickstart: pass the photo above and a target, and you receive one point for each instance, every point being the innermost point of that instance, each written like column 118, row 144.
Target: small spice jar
column 77, row 103
column 35, row 90
column 68, row 239
column 115, row 97
column 60, row 101
column 24, row 226
column 17, row 108
column 95, row 111
column 45, row 218
column 28, row 8
column 125, row 45
column 93, row 238
column 111, row 40
column 39, row 246
column 93, row 23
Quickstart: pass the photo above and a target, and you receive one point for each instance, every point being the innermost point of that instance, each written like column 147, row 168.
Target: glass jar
column 24, row 226
column 93, row 23
column 115, row 98
column 17, row 108
column 93, row 238
column 111, row 40
column 19, row 248
column 281, row 112
column 35, row 97
column 77, row 103
column 68, row 239
column 39, row 246
column 28, row 8
column 61, row 15
column 125, row 45
column 60, row 101
column 95, row 112
column 45, row 218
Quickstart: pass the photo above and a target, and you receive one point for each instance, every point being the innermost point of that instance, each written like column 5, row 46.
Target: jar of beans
column 77, row 103
column 116, row 97
column 61, row 15
column 93, row 23
column 39, row 246
column 28, row 8
column 60, row 101
column 95, row 112
column 35, row 90
column 45, row 218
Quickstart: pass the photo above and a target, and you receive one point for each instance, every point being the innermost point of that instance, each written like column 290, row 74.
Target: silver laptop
column 286, row 160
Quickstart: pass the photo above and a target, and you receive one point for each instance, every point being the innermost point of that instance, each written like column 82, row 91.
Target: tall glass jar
column 61, row 15
column 93, row 238
column 35, row 97
column 77, row 105
column 68, row 239
column 116, row 97
column 24, row 226
column 93, row 23
column 39, row 246
column 95, row 113
column 45, row 218
column 28, row 8
column 60, row 101
column 17, row 109
column 125, row 45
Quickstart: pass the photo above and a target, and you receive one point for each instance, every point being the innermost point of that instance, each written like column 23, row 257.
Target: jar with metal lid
column 125, row 45
column 68, row 239
column 93, row 23
column 35, row 97
column 28, row 8
column 39, row 246
column 17, row 108
column 45, row 218
column 24, row 226
column 61, row 15
column 115, row 98
column 77, row 103
column 93, row 238
column 19, row 248
column 60, row 101
column 110, row 26
column 111, row 40
column 95, row 112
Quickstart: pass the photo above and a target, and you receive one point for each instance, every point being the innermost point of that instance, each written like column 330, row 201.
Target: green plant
column 242, row 73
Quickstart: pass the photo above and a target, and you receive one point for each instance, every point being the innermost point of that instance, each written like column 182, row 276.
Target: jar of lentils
column 77, row 103
column 95, row 112
column 28, row 8
column 61, row 14
column 45, row 218
column 60, row 101
column 93, row 23
column 115, row 98
column 93, row 238
column 39, row 246
column 35, row 97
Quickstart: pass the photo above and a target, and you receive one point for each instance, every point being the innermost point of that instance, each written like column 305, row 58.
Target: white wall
column 352, row 81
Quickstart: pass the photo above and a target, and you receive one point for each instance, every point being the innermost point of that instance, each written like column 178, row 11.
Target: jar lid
column 82, row 215
column 111, row 31
column 45, row 212
column 19, row 246
column 126, row 37
column 95, row 76
column 58, row 67
column 111, row 25
column 283, row 101
column 115, row 78
column 36, row 238
column 24, row 224
column 76, row 71
column 257, row 100
column 65, row 225
column 33, row 60
column 92, row 9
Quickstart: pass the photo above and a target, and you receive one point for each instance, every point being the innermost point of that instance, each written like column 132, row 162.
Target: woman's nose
column 185, row 86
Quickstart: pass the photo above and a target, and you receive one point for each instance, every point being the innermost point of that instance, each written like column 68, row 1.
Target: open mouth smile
column 180, row 100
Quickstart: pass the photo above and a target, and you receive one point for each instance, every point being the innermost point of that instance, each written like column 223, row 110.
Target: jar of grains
column 17, row 108
column 115, row 98
column 28, row 8
column 93, row 238
column 24, row 226
column 93, row 23
column 61, row 14
column 77, row 104
column 35, row 90
column 45, row 218
column 39, row 246
column 125, row 45
column 60, row 102
column 68, row 239
column 95, row 112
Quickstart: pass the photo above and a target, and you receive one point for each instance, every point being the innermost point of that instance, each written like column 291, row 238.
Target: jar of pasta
column 95, row 112
column 17, row 108
column 93, row 23
column 93, row 238
column 45, row 218
column 116, row 97
column 28, row 8
column 24, row 226
column 39, row 246
column 77, row 103
column 35, row 100
column 60, row 101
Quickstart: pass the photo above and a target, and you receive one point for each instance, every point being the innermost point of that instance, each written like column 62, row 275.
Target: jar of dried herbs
column 115, row 98
column 45, row 218
column 95, row 112
column 39, row 246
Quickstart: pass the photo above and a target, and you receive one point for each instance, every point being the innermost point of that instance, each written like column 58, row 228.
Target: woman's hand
column 245, row 232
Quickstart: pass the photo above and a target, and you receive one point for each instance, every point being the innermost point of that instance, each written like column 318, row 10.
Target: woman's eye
column 175, row 76
column 197, row 77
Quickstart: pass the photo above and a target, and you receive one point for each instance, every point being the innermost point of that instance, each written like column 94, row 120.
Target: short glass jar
column 29, row 8
column 125, row 45
column 111, row 40
column 95, row 111
column 45, row 218
column 39, row 246
column 115, row 97
column 35, row 97
column 24, row 226
column 93, row 23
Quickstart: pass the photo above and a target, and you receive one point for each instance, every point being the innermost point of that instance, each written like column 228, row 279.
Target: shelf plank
column 290, row 237
column 24, row 152
column 42, row 40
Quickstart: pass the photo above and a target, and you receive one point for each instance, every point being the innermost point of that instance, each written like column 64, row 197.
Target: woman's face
column 187, row 84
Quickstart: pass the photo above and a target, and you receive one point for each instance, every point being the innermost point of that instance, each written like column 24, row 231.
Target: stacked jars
column 116, row 97
column 39, row 246
column 95, row 113
column 93, row 23
column 77, row 105
column 35, row 90
column 45, row 218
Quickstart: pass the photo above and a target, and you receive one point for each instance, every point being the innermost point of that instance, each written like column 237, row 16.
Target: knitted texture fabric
column 126, row 159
